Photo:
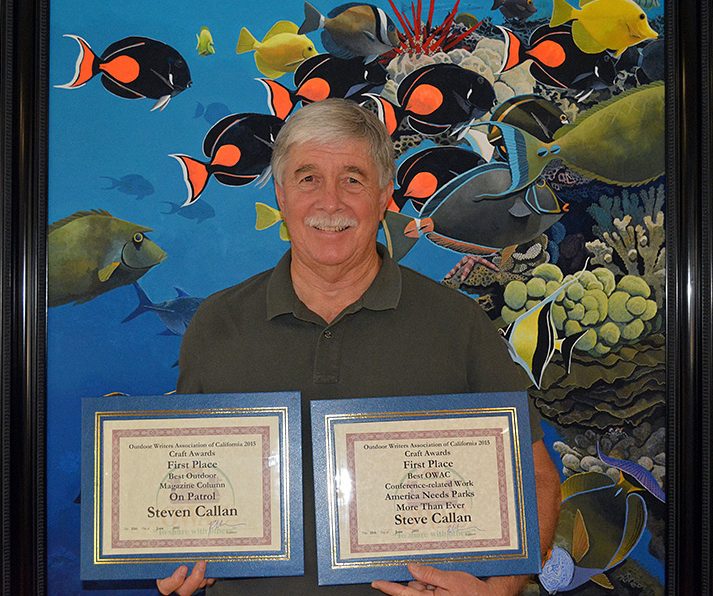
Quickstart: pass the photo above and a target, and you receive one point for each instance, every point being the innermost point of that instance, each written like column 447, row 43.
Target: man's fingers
column 194, row 581
column 419, row 586
column 394, row 589
column 430, row 575
column 172, row 583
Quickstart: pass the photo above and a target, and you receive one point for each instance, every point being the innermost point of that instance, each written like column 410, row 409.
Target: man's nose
column 331, row 196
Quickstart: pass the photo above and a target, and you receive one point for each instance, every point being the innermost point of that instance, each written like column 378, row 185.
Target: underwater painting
column 529, row 138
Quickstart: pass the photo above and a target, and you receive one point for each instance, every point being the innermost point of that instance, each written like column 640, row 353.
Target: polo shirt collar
column 383, row 293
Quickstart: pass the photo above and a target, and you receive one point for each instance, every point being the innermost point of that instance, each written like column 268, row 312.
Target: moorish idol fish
column 556, row 61
column 423, row 173
column 601, row 521
column 532, row 338
column 281, row 50
column 471, row 215
column 352, row 30
column 324, row 76
column 604, row 24
column 239, row 148
column 438, row 98
column 617, row 142
column 133, row 68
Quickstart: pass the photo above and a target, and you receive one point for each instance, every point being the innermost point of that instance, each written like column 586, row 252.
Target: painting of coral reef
column 530, row 176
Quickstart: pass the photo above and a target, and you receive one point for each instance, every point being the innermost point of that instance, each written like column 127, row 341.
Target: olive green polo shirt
column 407, row 335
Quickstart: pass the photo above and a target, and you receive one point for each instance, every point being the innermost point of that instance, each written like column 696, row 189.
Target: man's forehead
column 352, row 156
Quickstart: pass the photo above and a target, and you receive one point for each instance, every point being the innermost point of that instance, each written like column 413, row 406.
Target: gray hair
column 334, row 121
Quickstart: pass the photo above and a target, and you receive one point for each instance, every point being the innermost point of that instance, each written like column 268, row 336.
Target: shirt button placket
column 327, row 357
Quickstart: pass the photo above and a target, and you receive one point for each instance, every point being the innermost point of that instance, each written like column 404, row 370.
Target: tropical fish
column 438, row 98
column 469, row 215
column 532, row 338
column 92, row 252
column 281, row 50
column 467, row 19
column 352, row 30
column 641, row 474
column 519, row 10
column 324, row 76
column 601, row 521
column 531, row 113
column 617, row 142
column 239, row 148
column 212, row 113
column 205, row 45
column 175, row 314
column 423, row 173
column 134, row 68
column 131, row 184
column 557, row 61
column 604, row 24
column 646, row 61
column 200, row 211
column 266, row 216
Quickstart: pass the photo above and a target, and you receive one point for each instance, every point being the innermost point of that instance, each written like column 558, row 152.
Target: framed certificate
column 174, row 479
column 444, row 480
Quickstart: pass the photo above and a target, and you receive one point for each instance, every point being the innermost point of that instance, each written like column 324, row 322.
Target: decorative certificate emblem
column 183, row 478
column 446, row 480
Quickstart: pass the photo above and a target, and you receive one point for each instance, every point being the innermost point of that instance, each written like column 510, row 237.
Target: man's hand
column 179, row 584
column 436, row 582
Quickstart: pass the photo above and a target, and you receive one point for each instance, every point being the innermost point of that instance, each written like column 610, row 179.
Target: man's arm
column 547, row 484
column 457, row 583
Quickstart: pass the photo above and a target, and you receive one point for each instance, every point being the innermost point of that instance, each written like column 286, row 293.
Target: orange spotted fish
column 239, row 147
column 423, row 173
column 324, row 76
column 134, row 68
column 438, row 98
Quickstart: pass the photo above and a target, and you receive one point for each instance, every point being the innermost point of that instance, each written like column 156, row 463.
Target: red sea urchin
column 418, row 37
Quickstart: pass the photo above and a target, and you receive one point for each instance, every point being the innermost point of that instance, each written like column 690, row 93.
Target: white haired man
column 337, row 318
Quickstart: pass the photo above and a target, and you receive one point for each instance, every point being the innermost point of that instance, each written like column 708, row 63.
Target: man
column 338, row 318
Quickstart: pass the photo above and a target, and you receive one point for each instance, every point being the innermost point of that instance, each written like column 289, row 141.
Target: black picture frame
column 23, row 167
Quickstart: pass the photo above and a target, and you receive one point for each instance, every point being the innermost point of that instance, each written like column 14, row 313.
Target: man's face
column 332, row 203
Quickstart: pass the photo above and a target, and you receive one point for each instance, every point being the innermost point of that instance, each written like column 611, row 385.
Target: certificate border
column 325, row 414
column 289, row 560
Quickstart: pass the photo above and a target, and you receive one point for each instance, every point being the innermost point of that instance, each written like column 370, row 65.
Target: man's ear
column 279, row 195
column 386, row 195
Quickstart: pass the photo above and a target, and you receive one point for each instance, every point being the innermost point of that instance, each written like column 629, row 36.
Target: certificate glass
column 173, row 479
column 445, row 480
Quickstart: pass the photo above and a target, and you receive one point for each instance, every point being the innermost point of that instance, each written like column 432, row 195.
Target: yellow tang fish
column 205, row 45
column 282, row 50
column 604, row 24
column 268, row 216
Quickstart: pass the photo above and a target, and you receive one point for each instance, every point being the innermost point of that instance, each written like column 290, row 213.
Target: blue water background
column 93, row 134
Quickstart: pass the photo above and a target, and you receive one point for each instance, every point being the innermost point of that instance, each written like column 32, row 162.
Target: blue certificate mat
column 174, row 479
column 444, row 480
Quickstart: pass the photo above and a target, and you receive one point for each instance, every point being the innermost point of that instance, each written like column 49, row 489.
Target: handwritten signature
column 228, row 527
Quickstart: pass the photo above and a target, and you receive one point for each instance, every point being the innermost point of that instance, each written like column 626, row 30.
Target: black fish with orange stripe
column 134, row 68
column 324, row 76
column 239, row 147
column 438, row 98
column 423, row 173
column 557, row 61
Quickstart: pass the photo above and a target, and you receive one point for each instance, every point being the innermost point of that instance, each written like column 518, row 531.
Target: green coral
column 611, row 310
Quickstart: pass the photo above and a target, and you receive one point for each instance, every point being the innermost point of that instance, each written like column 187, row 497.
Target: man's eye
column 308, row 179
column 353, row 180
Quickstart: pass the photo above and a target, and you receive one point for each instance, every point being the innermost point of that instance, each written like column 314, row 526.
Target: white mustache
column 330, row 222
